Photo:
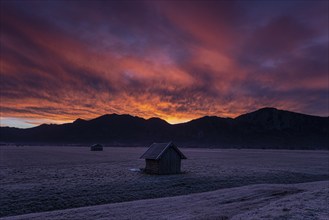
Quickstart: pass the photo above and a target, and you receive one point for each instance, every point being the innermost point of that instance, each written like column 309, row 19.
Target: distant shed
column 96, row 147
column 163, row 158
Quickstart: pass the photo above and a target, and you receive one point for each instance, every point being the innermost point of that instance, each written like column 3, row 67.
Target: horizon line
column 29, row 123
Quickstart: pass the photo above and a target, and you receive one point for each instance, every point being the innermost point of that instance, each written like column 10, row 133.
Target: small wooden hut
column 96, row 147
column 163, row 158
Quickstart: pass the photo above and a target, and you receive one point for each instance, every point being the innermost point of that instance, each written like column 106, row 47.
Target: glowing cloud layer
column 176, row 60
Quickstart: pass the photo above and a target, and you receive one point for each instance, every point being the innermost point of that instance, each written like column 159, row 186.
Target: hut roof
column 156, row 150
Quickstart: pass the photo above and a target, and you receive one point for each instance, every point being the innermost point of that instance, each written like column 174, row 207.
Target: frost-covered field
column 37, row 179
column 308, row 201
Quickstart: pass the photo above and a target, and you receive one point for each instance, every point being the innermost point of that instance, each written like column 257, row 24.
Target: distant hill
column 264, row 128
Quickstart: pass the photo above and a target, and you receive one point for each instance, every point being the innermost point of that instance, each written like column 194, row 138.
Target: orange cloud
column 177, row 61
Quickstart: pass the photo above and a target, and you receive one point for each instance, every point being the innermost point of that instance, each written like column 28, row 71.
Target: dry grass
column 35, row 179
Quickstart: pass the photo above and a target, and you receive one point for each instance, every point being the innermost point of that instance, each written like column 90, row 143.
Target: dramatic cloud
column 177, row 60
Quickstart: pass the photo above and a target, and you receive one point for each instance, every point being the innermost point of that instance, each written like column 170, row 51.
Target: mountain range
column 264, row 128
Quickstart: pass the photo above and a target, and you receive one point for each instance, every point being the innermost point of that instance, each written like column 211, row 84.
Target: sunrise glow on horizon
column 175, row 60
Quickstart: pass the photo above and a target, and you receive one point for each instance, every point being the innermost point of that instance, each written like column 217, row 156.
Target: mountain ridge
column 263, row 128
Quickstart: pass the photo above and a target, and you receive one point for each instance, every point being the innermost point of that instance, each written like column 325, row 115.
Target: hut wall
column 152, row 166
column 170, row 162
column 96, row 148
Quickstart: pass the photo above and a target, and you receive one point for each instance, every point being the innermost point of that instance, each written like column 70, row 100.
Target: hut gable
column 156, row 150
column 163, row 158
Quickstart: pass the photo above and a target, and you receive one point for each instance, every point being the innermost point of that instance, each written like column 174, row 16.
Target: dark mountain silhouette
column 264, row 128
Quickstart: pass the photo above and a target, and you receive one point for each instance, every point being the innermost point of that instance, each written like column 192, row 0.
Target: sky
column 177, row 60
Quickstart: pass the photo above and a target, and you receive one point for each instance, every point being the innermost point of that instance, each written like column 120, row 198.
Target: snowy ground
column 37, row 179
column 264, row 201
